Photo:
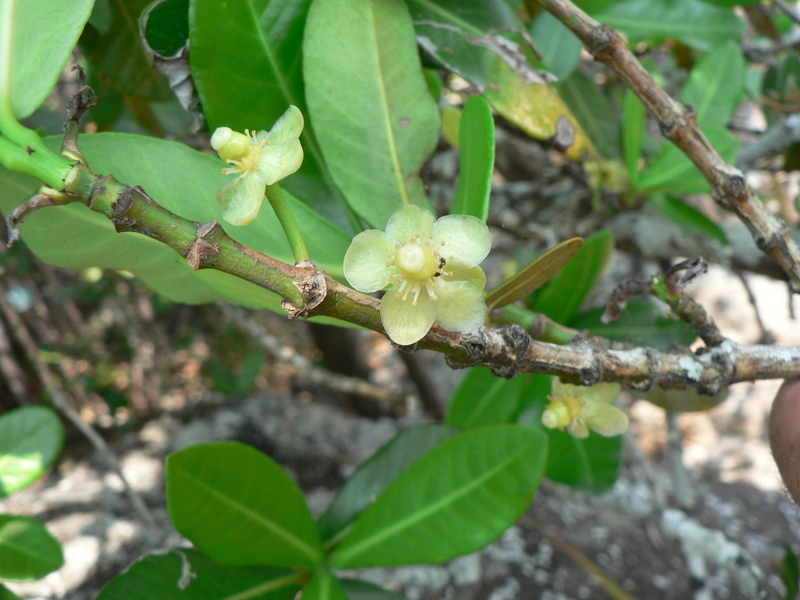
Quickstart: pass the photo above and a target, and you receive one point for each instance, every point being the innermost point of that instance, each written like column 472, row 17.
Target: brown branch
column 678, row 123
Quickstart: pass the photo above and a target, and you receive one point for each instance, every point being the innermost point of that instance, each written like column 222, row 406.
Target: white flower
column 431, row 270
column 259, row 159
column 580, row 408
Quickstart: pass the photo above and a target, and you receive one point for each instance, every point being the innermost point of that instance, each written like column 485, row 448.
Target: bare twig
column 678, row 123
column 306, row 369
column 778, row 137
column 61, row 402
column 790, row 12
column 9, row 368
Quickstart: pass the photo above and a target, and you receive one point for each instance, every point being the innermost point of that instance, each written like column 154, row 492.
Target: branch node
column 201, row 249
column 313, row 289
column 18, row 215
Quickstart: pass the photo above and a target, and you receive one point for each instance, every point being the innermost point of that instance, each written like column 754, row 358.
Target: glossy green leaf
column 566, row 293
column 448, row 31
column 484, row 399
column 324, row 586
column 165, row 26
column 45, row 34
column 590, row 464
column 687, row 216
column 184, row 181
column 119, row 56
column 697, row 24
column 476, row 143
column 240, row 507
column 30, row 441
column 589, row 104
column 373, row 476
column 27, row 550
column 361, row 590
column 716, row 85
column 535, row 275
column 7, row 594
column 185, row 574
column 456, row 499
column 369, row 103
column 672, row 171
column 246, row 64
column 559, row 47
column 633, row 130
column 643, row 323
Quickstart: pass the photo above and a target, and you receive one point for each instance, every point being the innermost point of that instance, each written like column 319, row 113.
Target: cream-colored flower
column 259, row 159
column 431, row 270
column 581, row 408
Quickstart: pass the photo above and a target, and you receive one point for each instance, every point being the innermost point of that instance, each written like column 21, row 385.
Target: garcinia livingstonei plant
column 579, row 409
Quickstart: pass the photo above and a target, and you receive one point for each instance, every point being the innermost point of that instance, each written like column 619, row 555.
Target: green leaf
column 373, row 476
column 184, row 181
column 185, row 574
column 633, row 128
column 789, row 571
column 45, row 34
column 483, row 399
column 559, row 47
column 697, row 24
column 535, row 275
column 565, row 294
column 447, row 30
column 30, row 440
column 687, row 216
column 7, row 594
column 590, row 464
column 716, row 85
column 672, row 171
column 361, row 590
column 119, row 56
column 246, row 64
column 456, row 499
column 240, row 507
column 643, row 323
column 377, row 129
column 165, row 26
column 476, row 142
column 589, row 104
column 324, row 586
column 27, row 550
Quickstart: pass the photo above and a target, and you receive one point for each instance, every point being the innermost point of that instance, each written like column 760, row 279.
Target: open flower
column 431, row 270
column 259, row 159
column 580, row 409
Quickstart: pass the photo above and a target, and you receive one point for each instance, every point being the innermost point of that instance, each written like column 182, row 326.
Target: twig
column 10, row 369
column 429, row 393
column 306, row 369
column 682, row 489
column 790, row 12
column 678, row 123
column 61, row 402
column 766, row 336
column 778, row 137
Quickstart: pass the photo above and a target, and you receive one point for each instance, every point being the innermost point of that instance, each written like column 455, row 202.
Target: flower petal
column 577, row 428
column 288, row 126
column 460, row 306
column 466, row 239
column 280, row 160
column 408, row 222
column 605, row 419
column 227, row 192
column 365, row 261
column 405, row 323
column 245, row 201
column 474, row 276
column 602, row 393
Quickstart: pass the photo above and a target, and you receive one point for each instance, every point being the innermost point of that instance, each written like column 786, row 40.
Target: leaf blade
column 476, row 142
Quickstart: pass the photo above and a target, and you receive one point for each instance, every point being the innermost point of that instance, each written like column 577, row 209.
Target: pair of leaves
column 30, row 440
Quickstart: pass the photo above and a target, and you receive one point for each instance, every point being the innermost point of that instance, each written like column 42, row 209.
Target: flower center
column 416, row 263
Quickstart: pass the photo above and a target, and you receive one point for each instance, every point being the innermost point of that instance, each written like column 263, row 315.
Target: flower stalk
column 284, row 213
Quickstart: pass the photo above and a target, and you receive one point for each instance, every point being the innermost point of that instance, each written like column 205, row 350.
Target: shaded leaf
column 31, row 438
column 484, row 399
column 643, row 323
column 324, row 586
column 166, row 26
column 240, row 507
column 185, row 574
column 633, row 129
column 376, row 130
column 374, row 475
column 27, row 550
column 45, row 34
column 716, row 85
column 476, row 143
column 559, row 47
column 444, row 506
column 591, row 108
column 566, row 293
column 687, row 216
column 535, row 275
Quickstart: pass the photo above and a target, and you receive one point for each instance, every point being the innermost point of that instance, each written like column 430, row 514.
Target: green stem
column 288, row 222
column 548, row 330
column 269, row 586
column 9, row 124
column 47, row 166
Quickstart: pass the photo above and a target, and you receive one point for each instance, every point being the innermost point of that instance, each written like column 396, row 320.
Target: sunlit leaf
column 476, row 143
column 30, row 440
column 27, row 549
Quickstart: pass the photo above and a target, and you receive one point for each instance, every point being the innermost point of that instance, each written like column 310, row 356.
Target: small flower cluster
column 258, row 159
column 431, row 270
column 579, row 409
